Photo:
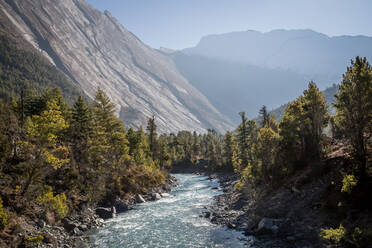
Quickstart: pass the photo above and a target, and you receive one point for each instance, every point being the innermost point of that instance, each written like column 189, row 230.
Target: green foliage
column 104, row 113
column 35, row 239
column 334, row 235
column 302, row 127
column 267, row 149
column 10, row 131
column 152, row 134
column 362, row 237
column 246, row 135
column 229, row 150
column 3, row 216
column 25, row 70
column 348, row 183
column 139, row 179
column 46, row 126
column 56, row 203
column 354, row 111
column 247, row 175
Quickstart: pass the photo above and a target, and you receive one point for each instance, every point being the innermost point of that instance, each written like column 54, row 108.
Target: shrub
column 143, row 177
column 348, row 183
column 362, row 237
column 3, row 216
column 333, row 235
column 55, row 203
column 246, row 175
column 35, row 239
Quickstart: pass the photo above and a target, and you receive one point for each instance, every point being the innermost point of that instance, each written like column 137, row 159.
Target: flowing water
column 173, row 221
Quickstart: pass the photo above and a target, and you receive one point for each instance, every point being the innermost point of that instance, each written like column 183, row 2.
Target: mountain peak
column 95, row 50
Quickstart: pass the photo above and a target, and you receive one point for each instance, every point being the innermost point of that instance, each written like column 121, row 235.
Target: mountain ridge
column 96, row 51
column 301, row 50
column 241, row 71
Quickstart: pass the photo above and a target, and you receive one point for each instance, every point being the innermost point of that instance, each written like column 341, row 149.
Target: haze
column 180, row 24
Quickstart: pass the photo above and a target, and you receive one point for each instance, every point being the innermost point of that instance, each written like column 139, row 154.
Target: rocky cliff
column 96, row 51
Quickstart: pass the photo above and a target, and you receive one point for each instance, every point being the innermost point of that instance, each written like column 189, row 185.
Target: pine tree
column 246, row 136
column 316, row 119
column 264, row 116
column 267, row 148
column 229, row 149
column 354, row 110
column 152, row 134
column 80, row 130
column 42, row 146
column 302, row 126
column 104, row 113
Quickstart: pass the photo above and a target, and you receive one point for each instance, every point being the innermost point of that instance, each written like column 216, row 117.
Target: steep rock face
column 95, row 51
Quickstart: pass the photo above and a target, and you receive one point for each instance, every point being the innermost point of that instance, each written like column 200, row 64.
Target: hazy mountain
column 234, row 87
column 304, row 51
column 95, row 50
column 242, row 71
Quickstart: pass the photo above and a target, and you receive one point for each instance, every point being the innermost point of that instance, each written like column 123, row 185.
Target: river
column 173, row 221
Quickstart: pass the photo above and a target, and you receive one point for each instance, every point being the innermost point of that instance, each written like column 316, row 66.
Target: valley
column 247, row 139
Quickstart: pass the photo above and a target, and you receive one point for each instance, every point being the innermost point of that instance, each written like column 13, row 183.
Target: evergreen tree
column 246, row 137
column 316, row 119
column 152, row 134
column 302, row 126
column 354, row 110
column 229, row 150
column 104, row 113
column 264, row 116
column 80, row 129
column 43, row 149
column 267, row 148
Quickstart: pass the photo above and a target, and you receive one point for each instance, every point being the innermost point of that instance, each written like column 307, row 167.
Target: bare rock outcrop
column 96, row 51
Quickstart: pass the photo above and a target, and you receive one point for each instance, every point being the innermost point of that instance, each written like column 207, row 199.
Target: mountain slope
column 95, row 51
column 242, row 71
column 234, row 87
column 20, row 70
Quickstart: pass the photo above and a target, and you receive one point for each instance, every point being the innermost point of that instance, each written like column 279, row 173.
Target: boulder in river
column 121, row 206
column 104, row 213
column 155, row 196
column 207, row 214
column 140, row 199
column 113, row 210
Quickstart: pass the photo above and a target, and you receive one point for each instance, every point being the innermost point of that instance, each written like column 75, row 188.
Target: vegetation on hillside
column 59, row 153
column 57, row 159
column 21, row 70
column 266, row 154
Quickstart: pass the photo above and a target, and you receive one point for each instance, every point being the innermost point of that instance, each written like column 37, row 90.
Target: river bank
column 290, row 216
column 72, row 231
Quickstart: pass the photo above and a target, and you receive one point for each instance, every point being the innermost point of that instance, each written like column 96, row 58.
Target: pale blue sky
column 181, row 23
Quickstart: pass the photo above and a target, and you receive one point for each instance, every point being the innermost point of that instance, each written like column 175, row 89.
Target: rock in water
column 155, row 196
column 104, row 213
column 113, row 210
column 140, row 199
column 121, row 206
